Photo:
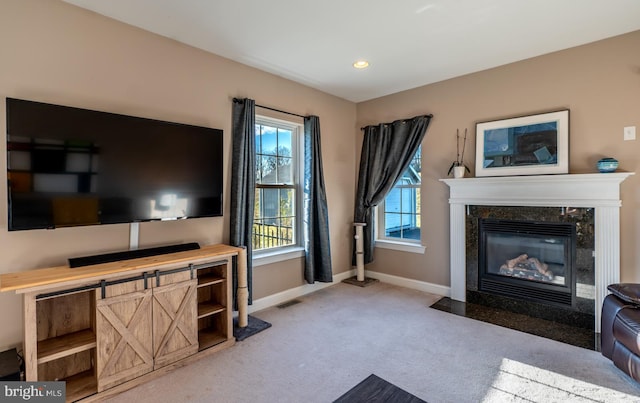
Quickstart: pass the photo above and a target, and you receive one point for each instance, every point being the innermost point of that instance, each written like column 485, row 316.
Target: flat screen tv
column 69, row 167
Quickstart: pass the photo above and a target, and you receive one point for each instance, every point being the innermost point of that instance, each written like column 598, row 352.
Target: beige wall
column 598, row 82
column 54, row 52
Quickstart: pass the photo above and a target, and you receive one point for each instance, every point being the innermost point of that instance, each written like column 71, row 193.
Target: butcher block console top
column 33, row 280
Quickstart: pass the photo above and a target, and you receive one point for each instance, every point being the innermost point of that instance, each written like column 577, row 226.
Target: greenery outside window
column 277, row 196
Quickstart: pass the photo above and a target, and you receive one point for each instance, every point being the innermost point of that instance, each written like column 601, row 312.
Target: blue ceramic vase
column 606, row 165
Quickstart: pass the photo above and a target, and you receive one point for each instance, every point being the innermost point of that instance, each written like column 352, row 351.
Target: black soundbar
column 131, row 254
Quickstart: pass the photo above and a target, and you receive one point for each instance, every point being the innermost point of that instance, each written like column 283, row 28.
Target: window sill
column 280, row 255
column 401, row 246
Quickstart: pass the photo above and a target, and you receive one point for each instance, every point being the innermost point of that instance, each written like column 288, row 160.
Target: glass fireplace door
column 528, row 257
column 525, row 259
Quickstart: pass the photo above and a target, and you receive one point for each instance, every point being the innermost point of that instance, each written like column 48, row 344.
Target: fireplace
column 537, row 261
column 600, row 192
column 528, row 260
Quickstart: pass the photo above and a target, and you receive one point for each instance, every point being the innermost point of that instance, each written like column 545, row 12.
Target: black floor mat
column 254, row 326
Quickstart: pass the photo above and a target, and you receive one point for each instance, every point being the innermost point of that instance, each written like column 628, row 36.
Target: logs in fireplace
column 530, row 268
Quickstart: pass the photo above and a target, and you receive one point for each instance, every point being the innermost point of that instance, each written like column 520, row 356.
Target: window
column 277, row 203
column 399, row 215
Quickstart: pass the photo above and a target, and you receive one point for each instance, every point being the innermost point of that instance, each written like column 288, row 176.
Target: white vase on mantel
column 458, row 171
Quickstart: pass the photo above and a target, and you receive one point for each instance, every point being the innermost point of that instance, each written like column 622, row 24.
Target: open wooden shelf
column 209, row 279
column 68, row 344
column 213, row 314
column 81, row 385
column 210, row 337
column 209, row 308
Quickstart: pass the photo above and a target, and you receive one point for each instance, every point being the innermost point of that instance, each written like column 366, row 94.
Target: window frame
column 278, row 253
column 402, row 244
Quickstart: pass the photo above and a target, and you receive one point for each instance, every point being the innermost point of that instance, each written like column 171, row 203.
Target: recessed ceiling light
column 361, row 64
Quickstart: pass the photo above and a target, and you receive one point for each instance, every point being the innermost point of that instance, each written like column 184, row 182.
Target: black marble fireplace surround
column 581, row 313
column 572, row 323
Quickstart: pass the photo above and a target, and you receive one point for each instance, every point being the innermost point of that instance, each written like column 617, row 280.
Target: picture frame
column 525, row 145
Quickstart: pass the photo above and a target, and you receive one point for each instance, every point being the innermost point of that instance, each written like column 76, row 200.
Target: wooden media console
column 108, row 327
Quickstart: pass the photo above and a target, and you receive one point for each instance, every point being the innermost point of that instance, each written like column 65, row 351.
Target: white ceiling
column 409, row 43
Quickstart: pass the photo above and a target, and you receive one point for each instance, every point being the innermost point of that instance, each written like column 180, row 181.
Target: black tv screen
column 69, row 166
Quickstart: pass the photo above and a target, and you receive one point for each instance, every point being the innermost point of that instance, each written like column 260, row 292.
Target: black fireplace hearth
column 579, row 336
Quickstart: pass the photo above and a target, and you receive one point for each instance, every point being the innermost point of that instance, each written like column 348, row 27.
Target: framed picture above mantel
column 525, row 145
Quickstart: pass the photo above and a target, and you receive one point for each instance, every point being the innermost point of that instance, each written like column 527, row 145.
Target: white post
column 134, row 235
column 359, row 251
column 457, row 256
column 607, row 255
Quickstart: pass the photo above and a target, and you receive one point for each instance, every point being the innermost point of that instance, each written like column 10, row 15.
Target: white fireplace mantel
column 600, row 191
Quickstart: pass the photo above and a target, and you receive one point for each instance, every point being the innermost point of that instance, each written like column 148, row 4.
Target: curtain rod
column 430, row 116
column 237, row 100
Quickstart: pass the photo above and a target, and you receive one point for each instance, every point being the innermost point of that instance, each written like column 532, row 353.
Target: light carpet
column 334, row 338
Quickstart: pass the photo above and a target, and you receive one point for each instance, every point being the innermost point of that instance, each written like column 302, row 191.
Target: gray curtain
column 317, row 266
column 243, row 181
column 387, row 151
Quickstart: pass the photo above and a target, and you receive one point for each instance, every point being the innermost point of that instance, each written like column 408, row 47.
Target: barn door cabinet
column 109, row 327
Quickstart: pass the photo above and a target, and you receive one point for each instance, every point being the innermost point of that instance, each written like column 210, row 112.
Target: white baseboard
column 288, row 295
column 410, row 283
column 292, row 293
